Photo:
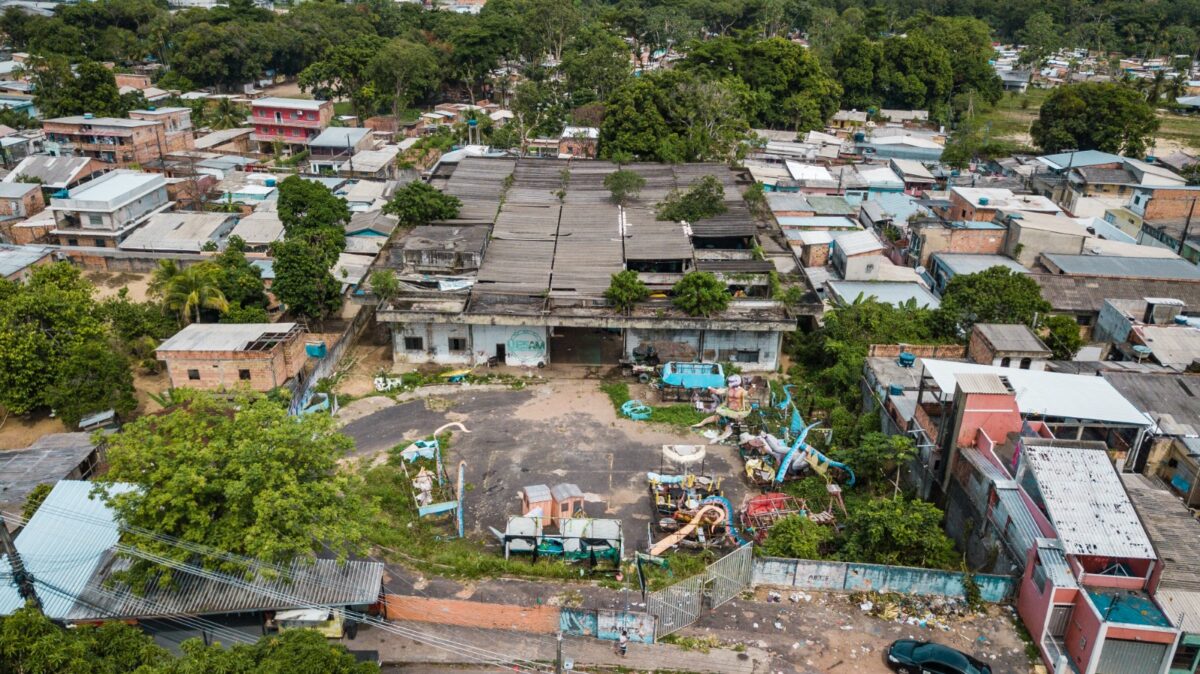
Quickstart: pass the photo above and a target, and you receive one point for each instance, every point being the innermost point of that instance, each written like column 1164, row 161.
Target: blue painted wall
column 843, row 576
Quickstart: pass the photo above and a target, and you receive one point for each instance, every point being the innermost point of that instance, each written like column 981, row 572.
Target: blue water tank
column 859, row 136
column 895, row 389
column 270, row 182
column 315, row 349
column 906, row 359
column 1181, row 320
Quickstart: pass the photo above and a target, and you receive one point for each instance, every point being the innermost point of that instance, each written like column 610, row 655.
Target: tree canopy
column 626, row 290
column 704, row 199
column 242, row 476
column 1095, row 116
column 900, row 531
column 700, row 293
column 314, row 222
column 995, row 295
column 417, row 203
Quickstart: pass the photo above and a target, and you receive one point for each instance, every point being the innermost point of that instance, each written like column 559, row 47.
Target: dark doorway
column 585, row 346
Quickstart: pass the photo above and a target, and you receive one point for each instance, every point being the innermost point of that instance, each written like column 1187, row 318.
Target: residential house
column 226, row 141
column 914, row 174
column 983, row 203
column 220, row 356
column 103, row 211
column 1002, row 345
column 895, row 293
column 579, row 142
column 259, row 229
column 1083, row 296
column 20, row 200
column 945, row 266
column 1030, row 235
column 290, row 122
column 180, row 232
column 52, row 457
column 844, row 120
column 55, row 174
column 124, row 143
column 913, row 147
column 929, row 237
column 374, row 223
column 17, row 262
column 851, row 245
column 336, row 145
column 373, row 164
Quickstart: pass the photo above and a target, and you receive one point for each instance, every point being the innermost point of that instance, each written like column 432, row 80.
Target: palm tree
column 161, row 277
column 195, row 288
column 227, row 115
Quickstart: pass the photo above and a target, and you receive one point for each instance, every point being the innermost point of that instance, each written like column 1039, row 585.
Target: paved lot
column 558, row 431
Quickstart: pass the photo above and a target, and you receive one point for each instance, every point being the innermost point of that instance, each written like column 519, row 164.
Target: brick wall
column 919, row 350
column 535, row 619
column 1170, row 204
column 978, row 349
column 222, row 370
column 940, row 239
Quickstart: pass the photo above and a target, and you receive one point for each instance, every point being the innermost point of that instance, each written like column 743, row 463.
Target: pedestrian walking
column 623, row 643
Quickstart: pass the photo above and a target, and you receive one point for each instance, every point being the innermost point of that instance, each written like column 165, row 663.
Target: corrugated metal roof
column 1057, row 569
column 1124, row 267
column 1012, row 517
column 1175, row 533
column 14, row 259
column 887, row 292
column 1005, row 337
column 1086, row 503
column 222, row 336
column 982, row 383
column 325, row 582
column 1171, row 344
column 48, row 460
column 61, row 551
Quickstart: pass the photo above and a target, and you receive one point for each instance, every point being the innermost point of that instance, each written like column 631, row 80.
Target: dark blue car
column 908, row 656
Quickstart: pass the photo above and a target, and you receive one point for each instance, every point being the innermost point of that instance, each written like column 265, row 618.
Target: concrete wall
column 918, row 350
column 435, row 343
column 851, row 577
column 724, row 345
column 523, row 346
column 942, row 239
column 687, row 341
column 606, row 624
column 1033, row 242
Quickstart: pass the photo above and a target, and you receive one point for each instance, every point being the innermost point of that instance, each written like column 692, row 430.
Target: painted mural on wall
column 526, row 347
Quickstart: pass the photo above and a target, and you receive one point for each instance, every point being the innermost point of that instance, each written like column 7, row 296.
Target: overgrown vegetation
column 626, row 290
column 700, row 293
column 704, row 199
column 679, row 415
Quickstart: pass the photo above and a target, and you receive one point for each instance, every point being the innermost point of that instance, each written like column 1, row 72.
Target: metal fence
column 327, row 365
column 681, row 604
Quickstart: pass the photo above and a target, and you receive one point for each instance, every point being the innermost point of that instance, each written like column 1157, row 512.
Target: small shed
column 538, row 497
column 568, row 500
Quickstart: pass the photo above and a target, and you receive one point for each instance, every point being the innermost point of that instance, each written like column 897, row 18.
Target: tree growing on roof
column 624, row 185
column 1061, row 335
column 384, row 284
column 626, row 290
column 1095, row 116
column 238, row 475
column 704, row 199
column 418, row 204
column 995, row 295
column 700, row 293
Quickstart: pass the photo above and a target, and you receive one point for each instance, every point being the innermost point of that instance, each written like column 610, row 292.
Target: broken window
column 458, row 344
column 414, row 344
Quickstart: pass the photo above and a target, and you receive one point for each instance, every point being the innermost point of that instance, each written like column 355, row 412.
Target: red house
column 291, row 121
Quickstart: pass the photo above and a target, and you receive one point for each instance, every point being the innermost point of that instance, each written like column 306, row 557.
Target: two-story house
column 103, row 211
column 292, row 122
column 140, row 141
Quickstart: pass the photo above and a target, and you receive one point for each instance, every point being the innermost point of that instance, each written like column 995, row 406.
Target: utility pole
column 23, row 578
column 1187, row 226
column 558, row 659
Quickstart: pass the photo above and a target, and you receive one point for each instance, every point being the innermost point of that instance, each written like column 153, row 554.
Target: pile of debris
column 932, row 612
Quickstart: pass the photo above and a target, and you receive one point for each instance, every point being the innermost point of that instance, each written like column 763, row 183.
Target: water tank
column 1181, row 320
column 859, row 136
column 315, row 349
column 895, row 390
column 269, row 182
column 88, row 115
column 906, row 359
column 983, row 201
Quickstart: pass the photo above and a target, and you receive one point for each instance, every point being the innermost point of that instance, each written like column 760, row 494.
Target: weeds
column 679, row 416
column 702, row 644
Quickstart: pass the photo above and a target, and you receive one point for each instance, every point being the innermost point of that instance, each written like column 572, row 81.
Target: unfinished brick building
column 141, row 140
column 217, row 356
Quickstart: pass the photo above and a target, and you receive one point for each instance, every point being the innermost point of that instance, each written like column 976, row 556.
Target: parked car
column 908, row 656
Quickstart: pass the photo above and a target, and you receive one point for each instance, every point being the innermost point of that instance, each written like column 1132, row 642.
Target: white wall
column 635, row 338
column 722, row 345
column 523, row 346
column 435, row 343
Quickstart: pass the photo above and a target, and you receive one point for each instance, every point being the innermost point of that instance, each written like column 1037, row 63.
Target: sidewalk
column 583, row 652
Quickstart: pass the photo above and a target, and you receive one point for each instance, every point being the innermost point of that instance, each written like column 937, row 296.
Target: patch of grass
column 343, row 108
column 1184, row 129
column 680, row 566
column 429, row 544
column 1012, row 115
column 679, row 416
column 702, row 644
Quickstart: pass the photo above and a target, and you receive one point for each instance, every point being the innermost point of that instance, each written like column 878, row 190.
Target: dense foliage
column 419, row 204
column 996, row 295
column 626, row 290
column 704, row 199
column 240, row 476
column 1095, row 116
column 54, row 348
column 314, row 236
column 700, row 293
column 31, row 644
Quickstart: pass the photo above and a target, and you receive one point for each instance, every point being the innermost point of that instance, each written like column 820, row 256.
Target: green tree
column 188, row 291
column 968, row 43
column 700, row 294
column 704, row 199
column 595, row 62
column 345, row 72
column 306, row 207
column 1095, row 116
column 42, row 322
column 1062, row 336
column 798, row 537
column 35, row 499
column 303, row 281
column 1041, row 36
column 226, row 115
column 857, row 62
column 995, row 295
column 876, row 456
column 242, row 476
column 915, row 74
column 404, row 70
column 624, row 185
column 93, row 378
column 241, row 282
column 1191, row 173
column 626, row 290
column 901, row 531
column 88, row 87
column 417, row 203
column 240, row 314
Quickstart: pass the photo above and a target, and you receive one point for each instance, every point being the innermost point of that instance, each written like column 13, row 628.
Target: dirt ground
column 108, row 284
column 360, row 368
column 18, row 432
column 561, row 430
column 822, row 633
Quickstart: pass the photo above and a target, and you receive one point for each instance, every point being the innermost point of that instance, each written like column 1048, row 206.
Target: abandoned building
column 520, row 275
column 219, row 356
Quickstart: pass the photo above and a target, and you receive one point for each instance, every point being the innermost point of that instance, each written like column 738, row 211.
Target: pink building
column 291, row 121
column 1089, row 571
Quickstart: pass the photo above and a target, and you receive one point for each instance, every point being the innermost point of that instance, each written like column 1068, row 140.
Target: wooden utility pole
column 20, row 575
